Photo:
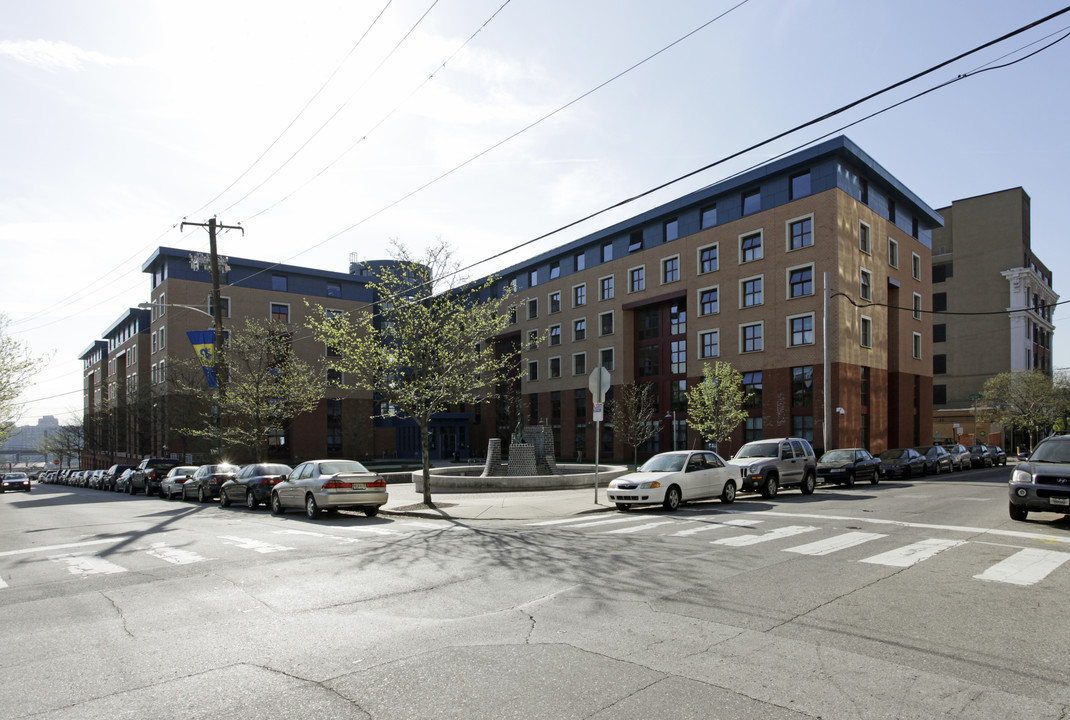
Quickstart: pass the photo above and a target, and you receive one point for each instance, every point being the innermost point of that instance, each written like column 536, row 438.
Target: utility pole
column 217, row 309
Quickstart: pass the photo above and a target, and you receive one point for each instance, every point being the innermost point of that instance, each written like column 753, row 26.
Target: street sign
column 599, row 383
column 597, row 412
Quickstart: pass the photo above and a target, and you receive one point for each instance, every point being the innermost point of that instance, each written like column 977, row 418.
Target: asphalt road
column 909, row 599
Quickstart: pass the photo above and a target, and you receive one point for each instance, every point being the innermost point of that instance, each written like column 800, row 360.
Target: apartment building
column 995, row 302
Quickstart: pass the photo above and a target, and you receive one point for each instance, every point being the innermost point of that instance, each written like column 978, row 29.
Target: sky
column 332, row 127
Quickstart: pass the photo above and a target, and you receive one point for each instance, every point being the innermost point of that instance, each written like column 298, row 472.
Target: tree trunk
column 425, row 453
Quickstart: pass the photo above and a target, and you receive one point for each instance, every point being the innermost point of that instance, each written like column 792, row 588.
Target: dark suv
column 1042, row 482
column 148, row 475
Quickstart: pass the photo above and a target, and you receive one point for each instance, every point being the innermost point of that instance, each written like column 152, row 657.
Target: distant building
column 999, row 301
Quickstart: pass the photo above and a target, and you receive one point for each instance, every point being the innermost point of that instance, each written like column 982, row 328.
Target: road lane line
column 636, row 528
column 834, row 544
column 65, row 546
column 744, row 540
column 1025, row 567
column 912, row 554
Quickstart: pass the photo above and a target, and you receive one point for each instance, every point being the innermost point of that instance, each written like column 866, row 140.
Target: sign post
column 598, row 385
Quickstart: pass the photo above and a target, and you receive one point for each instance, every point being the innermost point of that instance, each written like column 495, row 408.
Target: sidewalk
column 521, row 505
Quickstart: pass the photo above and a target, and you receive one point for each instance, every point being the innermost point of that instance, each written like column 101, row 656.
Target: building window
column 278, row 283
column 916, row 346
column 605, row 323
column 607, row 252
column 801, row 330
column 533, row 308
column 555, row 270
column 864, row 243
column 533, row 339
column 154, row 347
column 555, row 302
column 708, row 216
column 605, row 357
column 224, row 306
column 605, row 288
column 707, row 259
column 863, row 190
column 864, row 387
column 752, row 387
column 801, row 281
column 803, row 426
column 942, row 272
column 555, row 334
column 893, row 253
column 670, row 230
column 939, row 394
column 709, row 344
column 670, row 269
column 533, row 370
column 648, row 364
column 750, row 247
column 708, row 303
column 800, row 233
column 533, row 278
column 802, row 386
column 334, row 290
column 891, row 210
column 940, row 302
column 915, row 266
column 512, row 314
column 637, row 279
column 866, row 335
column 635, row 241
column 750, row 338
column 579, row 295
column 555, row 367
column 940, row 333
column 917, row 306
column 799, row 185
column 939, row 364
column 579, row 329
column 280, row 312
column 579, row 260
column 914, row 227
column 750, row 291
column 752, row 429
column 678, row 357
column 751, row 201
column 579, row 364
column 865, row 284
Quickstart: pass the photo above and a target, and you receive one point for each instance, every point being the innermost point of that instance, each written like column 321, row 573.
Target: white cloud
column 56, row 55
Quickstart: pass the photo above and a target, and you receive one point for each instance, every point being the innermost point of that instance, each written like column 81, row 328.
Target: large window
column 750, row 291
column 607, row 252
column 579, row 295
column 799, row 185
column 555, row 302
column 670, row 269
column 670, row 230
column 280, row 312
column 637, row 279
column 752, row 388
column 606, row 358
column 278, row 283
column 533, row 370
column 709, row 216
column 555, row 334
column 579, row 329
column 605, row 323
column 678, row 357
column 707, row 259
column 605, row 288
column 800, row 233
column 533, row 278
column 709, row 344
column 555, row 367
column 579, row 260
column 750, row 247
column 751, row 201
column 750, row 338
column 579, row 364
column 802, row 386
column 801, row 330
column 708, row 301
column 801, row 281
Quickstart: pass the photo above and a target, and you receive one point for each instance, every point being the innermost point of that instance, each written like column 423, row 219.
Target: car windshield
column 15, row 476
column 893, row 454
column 663, row 463
column 838, row 456
column 768, row 449
column 271, row 470
column 341, row 466
column 1057, row 451
column 222, row 468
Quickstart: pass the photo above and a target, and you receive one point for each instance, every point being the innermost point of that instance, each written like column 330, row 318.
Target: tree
column 634, row 411
column 430, row 343
column 267, row 385
column 64, row 444
column 715, row 405
column 1026, row 398
column 17, row 368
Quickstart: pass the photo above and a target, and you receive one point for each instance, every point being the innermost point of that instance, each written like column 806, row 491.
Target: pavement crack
column 119, row 612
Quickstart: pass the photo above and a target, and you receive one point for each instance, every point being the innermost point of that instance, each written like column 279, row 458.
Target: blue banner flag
column 204, row 345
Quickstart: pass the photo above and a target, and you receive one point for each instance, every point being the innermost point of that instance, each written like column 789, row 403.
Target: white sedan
column 669, row 478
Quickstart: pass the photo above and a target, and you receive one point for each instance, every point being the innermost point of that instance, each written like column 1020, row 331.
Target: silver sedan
column 329, row 485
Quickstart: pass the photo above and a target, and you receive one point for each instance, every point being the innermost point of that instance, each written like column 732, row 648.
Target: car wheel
column 250, row 500
column 311, row 508
column 876, row 477
column 624, row 507
column 130, row 488
column 908, row 473
column 370, row 511
column 769, row 489
column 224, row 501
column 937, row 464
column 850, row 481
column 808, row 484
column 672, row 499
column 276, row 504
column 1017, row 513
column 200, row 495
column 728, row 493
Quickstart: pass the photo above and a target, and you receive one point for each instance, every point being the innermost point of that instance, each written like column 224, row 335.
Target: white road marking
column 2, row 583
column 47, row 548
column 610, row 521
column 716, row 526
column 85, row 564
column 636, row 528
column 317, row 534
column 173, row 555
column 913, row 554
column 834, row 544
column 581, row 519
column 250, row 544
column 1025, row 567
column 743, row 540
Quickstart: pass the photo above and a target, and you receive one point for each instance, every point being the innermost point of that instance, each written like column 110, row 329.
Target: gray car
column 330, row 485
column 1042, row 482
column 960, row 456
column 768, row 465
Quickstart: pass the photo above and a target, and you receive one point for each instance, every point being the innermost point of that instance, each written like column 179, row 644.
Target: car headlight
column 754, row 470
column 1022, row 477
column 649, row 485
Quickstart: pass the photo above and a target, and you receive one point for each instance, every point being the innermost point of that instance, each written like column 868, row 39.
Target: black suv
column 148, row 475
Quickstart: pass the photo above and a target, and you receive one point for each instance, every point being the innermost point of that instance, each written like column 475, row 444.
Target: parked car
column 122, row 483
column 171, row 484
column 670, row 478
column 847, row 465
column 768, row 465
column 148, row 475
column 111, row 475
column 980, row 457
column 15, row 481
column 937, row 459
column 999, row 455
column 252, row 485
column 960, row 456
column 330, row 485
column 205, row 482
column 1041, row 483
column 902, row 462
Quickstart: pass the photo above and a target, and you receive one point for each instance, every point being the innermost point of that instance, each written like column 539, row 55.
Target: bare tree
column 634, row 411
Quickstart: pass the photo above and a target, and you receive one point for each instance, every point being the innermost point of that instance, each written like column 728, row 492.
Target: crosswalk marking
column 636, row 528
column 250, row 544
column 914, row 553
column 87, row 564
column 2, row 583
column 716, row 526
column 610, row 521
column 318, row 534
column 173, row 555
column 834, row 544
column 744, row 540
column 1025, row 567
column 583, row 518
